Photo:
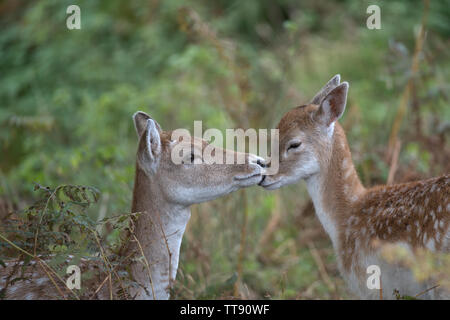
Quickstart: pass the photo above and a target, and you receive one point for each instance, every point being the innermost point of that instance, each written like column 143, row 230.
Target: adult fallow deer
column 415, row 215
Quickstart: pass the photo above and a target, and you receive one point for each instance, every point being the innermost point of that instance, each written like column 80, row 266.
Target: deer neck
column 159, row 231
column 336, row 188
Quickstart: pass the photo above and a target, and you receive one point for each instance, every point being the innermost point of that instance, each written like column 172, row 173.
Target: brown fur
column 415, row 213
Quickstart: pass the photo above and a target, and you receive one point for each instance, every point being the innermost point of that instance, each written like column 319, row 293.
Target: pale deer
column 313, row 147
column 163, row 193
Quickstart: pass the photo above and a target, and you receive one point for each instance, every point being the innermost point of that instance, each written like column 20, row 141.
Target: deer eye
column 294, row 145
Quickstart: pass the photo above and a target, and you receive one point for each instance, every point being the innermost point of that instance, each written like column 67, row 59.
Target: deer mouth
column 248, row 176
column 262, row 181
column 269, row 185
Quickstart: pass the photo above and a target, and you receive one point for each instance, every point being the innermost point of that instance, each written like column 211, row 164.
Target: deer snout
column 255, row 168
column 258, row 163
column 253, row 159
column 266, row 165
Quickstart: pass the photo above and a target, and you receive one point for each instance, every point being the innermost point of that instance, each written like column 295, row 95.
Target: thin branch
column 394, row 162
column 146, row 264
column 425, row 291
column 168, row 249
column 42, row 263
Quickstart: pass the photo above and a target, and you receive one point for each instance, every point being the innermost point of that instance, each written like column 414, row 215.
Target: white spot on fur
column 431, row 244
column 432, row 215
column 347, row 174
column 345, row 163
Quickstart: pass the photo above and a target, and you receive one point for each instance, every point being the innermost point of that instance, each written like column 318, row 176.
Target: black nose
column 261, row 164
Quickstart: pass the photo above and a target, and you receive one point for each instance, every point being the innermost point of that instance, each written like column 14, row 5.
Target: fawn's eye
column 294, row 145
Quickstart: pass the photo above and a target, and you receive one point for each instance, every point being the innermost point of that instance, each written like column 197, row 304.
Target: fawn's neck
column 159, row 230
column 336, row 188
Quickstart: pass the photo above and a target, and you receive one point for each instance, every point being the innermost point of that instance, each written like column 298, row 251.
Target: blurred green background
column 67, row 96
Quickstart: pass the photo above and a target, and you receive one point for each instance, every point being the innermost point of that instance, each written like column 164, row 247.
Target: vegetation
column 67, row 96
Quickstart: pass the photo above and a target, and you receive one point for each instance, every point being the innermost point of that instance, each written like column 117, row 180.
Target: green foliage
column 56, row 224
column 57, row 229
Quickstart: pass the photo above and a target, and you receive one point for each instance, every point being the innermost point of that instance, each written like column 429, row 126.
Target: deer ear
column 333, row 105
column 333, row 83
column 148, row 131
column 153, row 139
column 140, row 122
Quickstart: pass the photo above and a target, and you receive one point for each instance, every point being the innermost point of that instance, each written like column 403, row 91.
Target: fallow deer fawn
column 313, row 147
column 163, row 192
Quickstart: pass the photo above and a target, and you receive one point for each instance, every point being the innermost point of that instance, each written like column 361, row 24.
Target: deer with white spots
column 415, row 215
column 163, row 193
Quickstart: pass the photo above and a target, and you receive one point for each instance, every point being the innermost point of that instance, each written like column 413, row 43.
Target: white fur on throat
column 314, row 188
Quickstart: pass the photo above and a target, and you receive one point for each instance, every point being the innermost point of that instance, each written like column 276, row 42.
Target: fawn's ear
column 140, row 122
column 333, row 105
column 149, row 150
column 149, row 133
column 153, row 139
column 333, row 83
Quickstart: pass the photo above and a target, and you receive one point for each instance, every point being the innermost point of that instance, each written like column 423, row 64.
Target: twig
column 394, row 162
column 42, row 216
column 425, row 291
column 167, row 247
column 147, row 265
column 42, row 263
column 110, row 288
column 106, row 260
column 381, row 289
column 100, row 286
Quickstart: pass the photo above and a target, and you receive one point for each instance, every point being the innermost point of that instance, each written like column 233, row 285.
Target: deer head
column 306, row 135
column 191, row 181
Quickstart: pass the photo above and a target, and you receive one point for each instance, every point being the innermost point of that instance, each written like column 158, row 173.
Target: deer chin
column 248, row 180
column 273, row 186
column 270, row 183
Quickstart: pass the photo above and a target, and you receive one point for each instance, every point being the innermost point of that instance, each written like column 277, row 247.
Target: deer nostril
column 261, row 164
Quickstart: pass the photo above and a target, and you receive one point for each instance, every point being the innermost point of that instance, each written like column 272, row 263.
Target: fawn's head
column 306, row 135
column 191, row 181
